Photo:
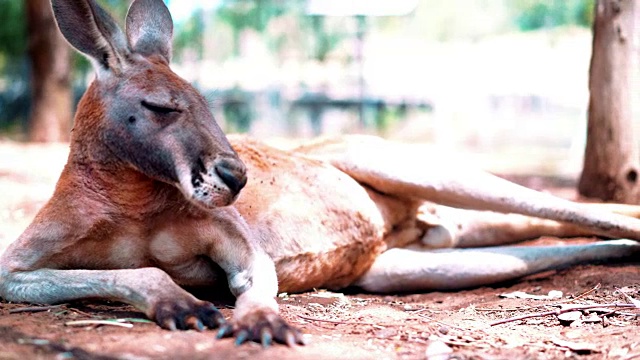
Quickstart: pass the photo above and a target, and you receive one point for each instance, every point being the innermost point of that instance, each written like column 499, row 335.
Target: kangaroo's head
column 139, row 111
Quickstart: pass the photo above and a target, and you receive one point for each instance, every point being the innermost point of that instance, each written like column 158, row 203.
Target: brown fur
column 146, row 203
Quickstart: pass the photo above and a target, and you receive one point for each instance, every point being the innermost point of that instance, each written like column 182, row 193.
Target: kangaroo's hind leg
column 447, row 227
column 414, row 171
column 417, row 269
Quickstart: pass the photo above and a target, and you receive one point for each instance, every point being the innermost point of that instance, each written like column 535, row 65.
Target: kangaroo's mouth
column 215, row 185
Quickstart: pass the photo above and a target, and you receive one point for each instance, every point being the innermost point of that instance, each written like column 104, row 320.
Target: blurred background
column 504, row 81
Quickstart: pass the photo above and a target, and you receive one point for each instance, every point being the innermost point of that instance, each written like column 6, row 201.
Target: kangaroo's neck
column 124, row 190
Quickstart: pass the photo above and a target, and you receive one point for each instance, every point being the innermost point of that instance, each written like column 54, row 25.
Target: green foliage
column 242, row 14
column 537, row 14
column 256, row 15
column 325, row 41
column 190, row 34
column 13, row 34
column 281, row 24
column 585, row 13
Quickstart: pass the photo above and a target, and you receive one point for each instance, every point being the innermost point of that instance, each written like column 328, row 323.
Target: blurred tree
column 295, row 29
column 12, row 33
column 286, row 30
column 190, row 34
column 51, row 65
column 51, row 113
column 325, row 41
column 610, row 169
column 14, row 103
column 537, row 14
column 241, row 15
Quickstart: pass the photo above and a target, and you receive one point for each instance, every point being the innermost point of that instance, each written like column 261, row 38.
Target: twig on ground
column 376, row 325
column 562, row 311
column 136, row 320
column 612, row 312
column 426, row 317
column 631, row 300
column 34, row 309
column 581, row 295
column 555, row 303
column 461, row 343
column 83, row 313
column 628, row 314
column 417, row 311
column 98, row 322
column 505, row 309
column 337, row 321
column 542, row 346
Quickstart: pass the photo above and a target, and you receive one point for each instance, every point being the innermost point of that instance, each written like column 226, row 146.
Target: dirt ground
column 349, row 325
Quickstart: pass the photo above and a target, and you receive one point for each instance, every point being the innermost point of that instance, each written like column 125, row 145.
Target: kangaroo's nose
column 233, row 175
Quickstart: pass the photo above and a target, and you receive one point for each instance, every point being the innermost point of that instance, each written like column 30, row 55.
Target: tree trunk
column 51, row 106
column 610, row 170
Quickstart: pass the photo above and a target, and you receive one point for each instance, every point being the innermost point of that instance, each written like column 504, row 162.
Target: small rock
column 569, row 317
column 573, row 334
column 576, row 324
column 386, row 333
column 327, row 298
column 437, row 350
column 65, row 355
column 444, row 330
column 592, row 318
column 203, row 346
column 555, row 294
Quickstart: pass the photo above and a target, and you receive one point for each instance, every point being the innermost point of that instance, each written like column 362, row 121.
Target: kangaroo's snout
column 232, row 173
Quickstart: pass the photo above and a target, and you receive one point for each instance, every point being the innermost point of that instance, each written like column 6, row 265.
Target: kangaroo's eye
column 159, row 109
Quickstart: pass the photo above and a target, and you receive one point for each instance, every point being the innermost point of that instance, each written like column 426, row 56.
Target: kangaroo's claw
column 263, row 327
column 184, row 315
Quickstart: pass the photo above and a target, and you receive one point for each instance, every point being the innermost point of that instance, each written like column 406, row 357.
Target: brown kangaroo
column 150, row 200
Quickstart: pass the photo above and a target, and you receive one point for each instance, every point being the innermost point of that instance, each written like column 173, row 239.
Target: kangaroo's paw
column 188, row 314
column 263, row 326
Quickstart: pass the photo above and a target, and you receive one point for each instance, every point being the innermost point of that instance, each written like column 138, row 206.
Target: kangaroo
column 155, row 197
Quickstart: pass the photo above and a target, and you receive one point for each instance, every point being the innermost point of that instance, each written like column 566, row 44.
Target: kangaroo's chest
column 132, row 244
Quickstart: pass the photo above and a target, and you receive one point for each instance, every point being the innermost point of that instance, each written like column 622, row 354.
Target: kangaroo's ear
column 91, row 30
column 150, row 28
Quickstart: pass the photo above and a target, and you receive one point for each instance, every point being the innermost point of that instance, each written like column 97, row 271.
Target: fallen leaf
column 553, row 294
column 618, row 352
column 582, row 347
